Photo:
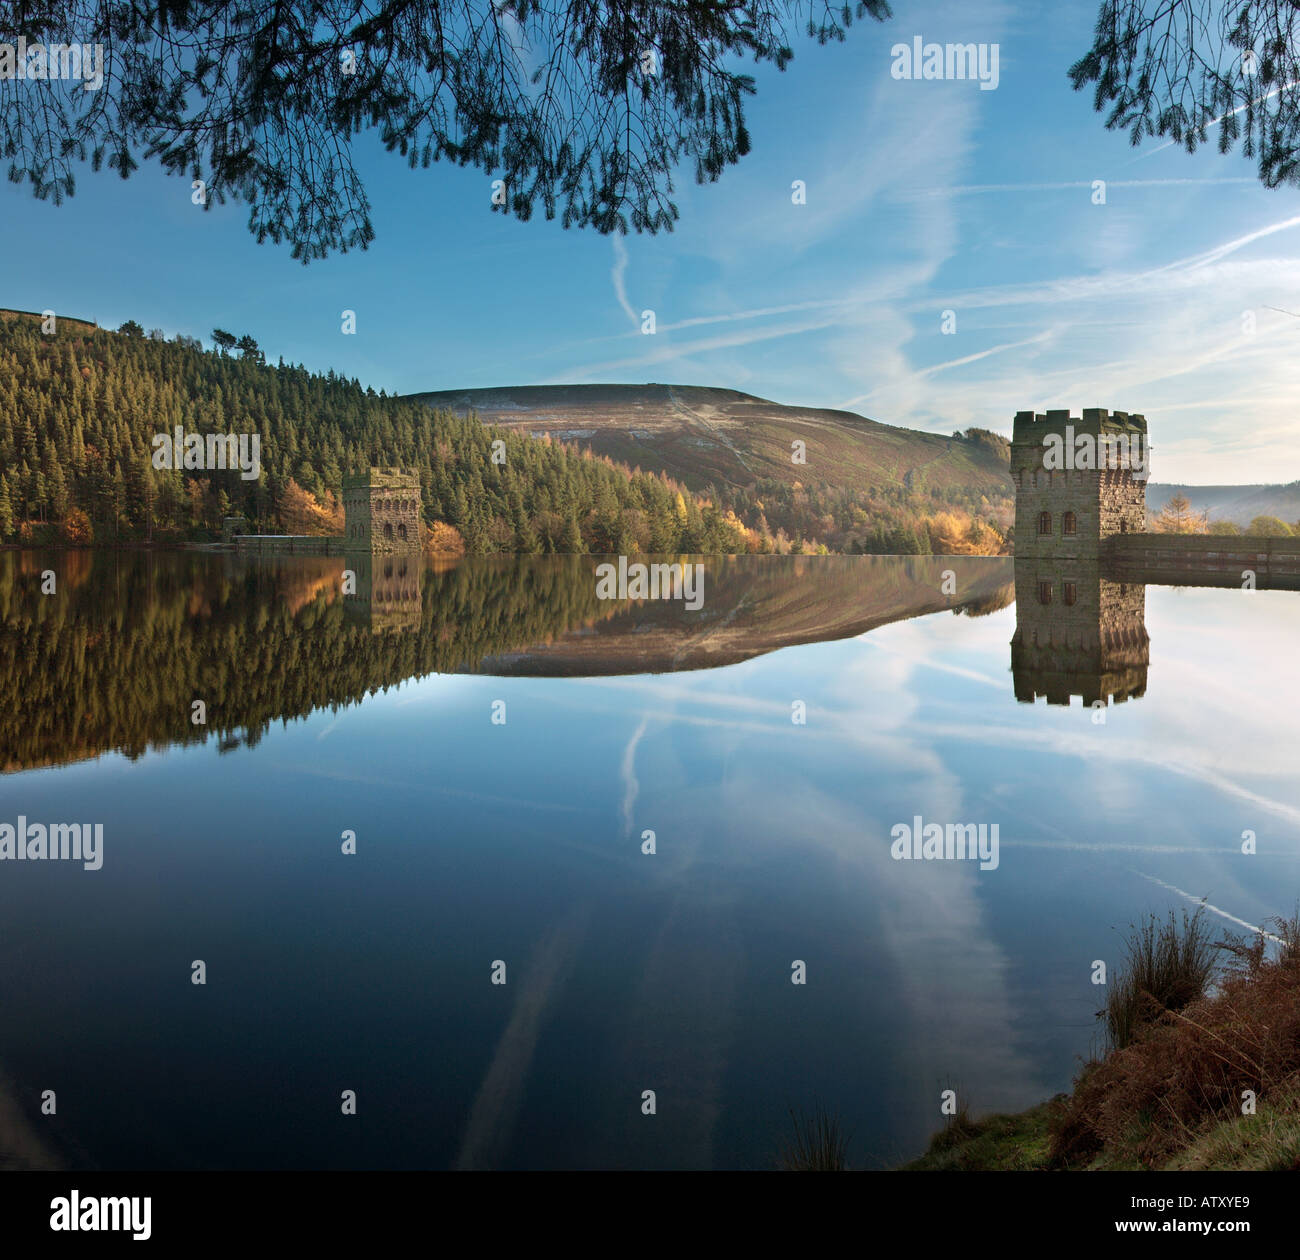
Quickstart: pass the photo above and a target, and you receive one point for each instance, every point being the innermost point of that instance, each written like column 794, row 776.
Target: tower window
column 388, row 532
column 1068, row 523
column 1044, row 522
column 1069, row 593
column 1044, row 592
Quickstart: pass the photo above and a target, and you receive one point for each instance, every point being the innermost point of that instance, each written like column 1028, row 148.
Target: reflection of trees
column 117, row 657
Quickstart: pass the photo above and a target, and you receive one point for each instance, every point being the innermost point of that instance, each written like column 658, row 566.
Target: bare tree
column 583, row 106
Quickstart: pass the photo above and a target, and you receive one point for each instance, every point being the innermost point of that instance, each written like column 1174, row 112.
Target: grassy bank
column 1201, row 1070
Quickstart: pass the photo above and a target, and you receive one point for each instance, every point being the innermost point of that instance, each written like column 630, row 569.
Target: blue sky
column 922, row 197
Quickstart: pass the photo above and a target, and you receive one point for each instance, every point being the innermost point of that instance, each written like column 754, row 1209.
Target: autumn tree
column 1178, row 517
column 77, row 529
column 300, row 513
column 6, row 509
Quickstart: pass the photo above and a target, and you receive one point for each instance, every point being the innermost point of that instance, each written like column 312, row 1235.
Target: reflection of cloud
column 423, row 787
column 627, row 772
column 492, row 1116
column 682, row 1021
column 924, row 925
column 923, row 661
column 1185, row 761
column 1201, row 901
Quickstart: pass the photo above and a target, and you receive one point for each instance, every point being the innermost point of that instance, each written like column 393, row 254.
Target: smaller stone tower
column 381, row 510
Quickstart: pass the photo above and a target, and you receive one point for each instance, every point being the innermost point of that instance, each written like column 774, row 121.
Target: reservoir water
column 503, row 747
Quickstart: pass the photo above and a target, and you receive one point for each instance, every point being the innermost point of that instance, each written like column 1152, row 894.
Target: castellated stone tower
column 1078, row 481
column 381, row 510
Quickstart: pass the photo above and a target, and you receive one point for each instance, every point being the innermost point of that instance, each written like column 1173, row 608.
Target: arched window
column 401, row 532
column 388, row 532
column 1068, row 523
column 1044, row 523
column 1044, row 592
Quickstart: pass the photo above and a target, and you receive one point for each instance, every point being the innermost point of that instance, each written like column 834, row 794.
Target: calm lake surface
column 521, row 841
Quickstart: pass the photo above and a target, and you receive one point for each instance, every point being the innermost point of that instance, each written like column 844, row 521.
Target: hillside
column 862, row 486
column 80, row 409
column 1239, row 504
column 721, row 437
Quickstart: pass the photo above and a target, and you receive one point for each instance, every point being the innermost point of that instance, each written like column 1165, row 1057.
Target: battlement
column 1095, row 421
column 382, row 479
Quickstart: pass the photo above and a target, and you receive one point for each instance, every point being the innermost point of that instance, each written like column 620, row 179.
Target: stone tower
column 1078, row 481
column 381, row 510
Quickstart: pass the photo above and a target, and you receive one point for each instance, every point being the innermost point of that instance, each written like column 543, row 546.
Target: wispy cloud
column 618, row 277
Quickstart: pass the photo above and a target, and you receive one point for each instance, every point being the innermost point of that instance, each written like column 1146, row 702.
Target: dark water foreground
column 520, row 841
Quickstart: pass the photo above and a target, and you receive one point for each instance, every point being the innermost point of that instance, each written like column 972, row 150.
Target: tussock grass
column 1166, row 967
column 818, row 1143
column 1199, row 1032
column 1176, row 1086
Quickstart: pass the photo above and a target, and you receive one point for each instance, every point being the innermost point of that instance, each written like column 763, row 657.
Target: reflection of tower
column 1077, row 634
column 387, row 591
column 381, row 510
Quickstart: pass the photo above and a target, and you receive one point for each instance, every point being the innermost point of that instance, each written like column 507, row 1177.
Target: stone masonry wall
column 382, row 510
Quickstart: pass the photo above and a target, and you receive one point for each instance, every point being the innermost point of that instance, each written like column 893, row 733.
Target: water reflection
column 1078, row 634
column 114, row 657
column 522, row 842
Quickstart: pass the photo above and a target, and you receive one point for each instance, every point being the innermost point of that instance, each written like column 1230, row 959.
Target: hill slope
column 1240, row 504
column 722, row 437
column 80, row 409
